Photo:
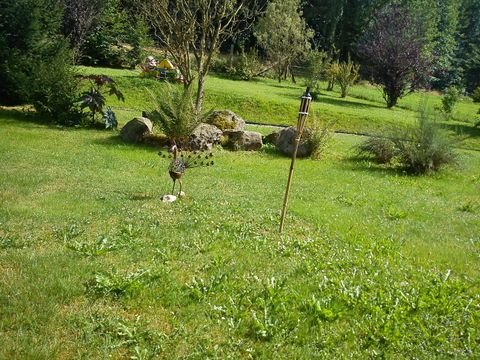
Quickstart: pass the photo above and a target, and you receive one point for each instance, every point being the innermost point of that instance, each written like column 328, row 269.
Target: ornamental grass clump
column 419, row 149
column 425, row 148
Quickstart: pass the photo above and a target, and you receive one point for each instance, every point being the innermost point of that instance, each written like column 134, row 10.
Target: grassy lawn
column 266, row 101
column 372, row 262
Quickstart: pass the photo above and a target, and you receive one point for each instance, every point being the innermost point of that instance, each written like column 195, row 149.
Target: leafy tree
column 198, row 27
column 393, row 50
column 28, row 36
column 317, row 64
column 449, row 100
column 283, row 34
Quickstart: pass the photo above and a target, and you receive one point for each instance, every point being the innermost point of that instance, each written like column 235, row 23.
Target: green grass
column 93, row 265
column 266, row 101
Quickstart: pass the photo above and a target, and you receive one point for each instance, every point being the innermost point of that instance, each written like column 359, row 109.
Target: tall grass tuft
column 319, row 137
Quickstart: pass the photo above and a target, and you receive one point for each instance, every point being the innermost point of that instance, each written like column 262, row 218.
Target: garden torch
column 302, row 118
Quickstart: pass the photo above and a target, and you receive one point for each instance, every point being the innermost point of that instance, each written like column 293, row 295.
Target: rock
column 135, row 130
column 271, row 138
column 242, row 140
column 205, row 136
column 226, row 120
column 286, row 142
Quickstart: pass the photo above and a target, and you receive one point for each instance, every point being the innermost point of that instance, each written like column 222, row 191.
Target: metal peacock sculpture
column 185, row 159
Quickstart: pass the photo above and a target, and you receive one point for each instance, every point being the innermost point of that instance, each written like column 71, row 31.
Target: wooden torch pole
column 302, row 117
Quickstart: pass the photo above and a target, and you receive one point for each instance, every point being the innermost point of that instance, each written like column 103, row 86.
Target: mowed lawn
column 372, row 262
column 268, row 102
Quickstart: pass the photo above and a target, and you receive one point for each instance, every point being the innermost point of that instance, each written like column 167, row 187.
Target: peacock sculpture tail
column 183, row 159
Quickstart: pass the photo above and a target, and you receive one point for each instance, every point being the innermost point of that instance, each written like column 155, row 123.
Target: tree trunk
column 200, row 91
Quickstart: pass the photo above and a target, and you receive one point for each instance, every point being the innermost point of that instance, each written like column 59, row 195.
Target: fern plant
column 175, row 112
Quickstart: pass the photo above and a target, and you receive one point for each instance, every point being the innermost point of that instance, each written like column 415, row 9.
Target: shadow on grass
column 116, row 140
column 141, row 197
column 367, row 165
column 272, row 152
column 328, row 99
column 463, row 130
column 22, row 117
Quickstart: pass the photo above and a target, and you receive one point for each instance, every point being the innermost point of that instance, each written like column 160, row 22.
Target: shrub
column 175, row 112
column 93, row 99
column 346, row 75
column 53, row 90
column 110, row 119
column 450, row 99
column 382, row 149
column 476, row 94
column 331, row 73
column 316, row 65
column 424, row 148
column 319, row 137
column 419, row 149
column 245, row 66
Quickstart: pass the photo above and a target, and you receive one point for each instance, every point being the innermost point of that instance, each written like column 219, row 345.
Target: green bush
column 346, row 75
column 450, row 99
column 382, row 149
column 245, row 66
column 174, row 112
column 53, row 90
column 316, row 65
column 419, row 149
column 424, row 148
column 476, row 95
column 95, row 101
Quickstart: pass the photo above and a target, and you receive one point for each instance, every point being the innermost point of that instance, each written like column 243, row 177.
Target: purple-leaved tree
column 393, row 52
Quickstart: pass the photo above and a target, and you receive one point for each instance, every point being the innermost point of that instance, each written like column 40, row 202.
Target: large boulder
column 226, row 120
column 271, row 138
column 205, row 136
column 242, row 140
column 136, row 129
column 286, row 142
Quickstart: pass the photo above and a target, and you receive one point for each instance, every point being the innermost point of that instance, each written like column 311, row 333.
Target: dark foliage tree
column 445, row 44
column 34, row 58
column 117, row 37
column 338, row 24
column 468, row 54
column 393, row 50
column 80, row 17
